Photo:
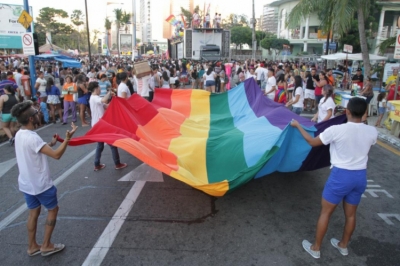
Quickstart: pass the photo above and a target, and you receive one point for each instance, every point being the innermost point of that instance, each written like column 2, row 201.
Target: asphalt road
column 110, row 222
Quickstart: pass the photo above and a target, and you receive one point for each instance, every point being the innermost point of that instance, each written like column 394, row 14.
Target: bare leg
column 212, row 89
column 222, row 87
column 82, row 108
column 6, row 128
column 49, row 228
column 350, row 223
column 52, row 112
column 59, row 109
column 31, row 225
column 323, row 221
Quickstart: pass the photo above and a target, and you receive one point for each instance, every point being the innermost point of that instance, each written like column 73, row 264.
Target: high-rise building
column 146, row 7
column 270, row 19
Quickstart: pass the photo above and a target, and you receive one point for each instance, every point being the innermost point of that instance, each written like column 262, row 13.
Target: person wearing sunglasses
column 34, row 178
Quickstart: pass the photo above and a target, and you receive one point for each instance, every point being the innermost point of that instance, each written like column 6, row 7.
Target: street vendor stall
column 394, row 114
column 65, row 60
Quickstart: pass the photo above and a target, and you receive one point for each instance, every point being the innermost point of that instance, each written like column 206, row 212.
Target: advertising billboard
column 10, row 28
column 125, row 43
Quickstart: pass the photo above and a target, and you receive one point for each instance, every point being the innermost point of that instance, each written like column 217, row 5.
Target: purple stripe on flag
column 276, row 113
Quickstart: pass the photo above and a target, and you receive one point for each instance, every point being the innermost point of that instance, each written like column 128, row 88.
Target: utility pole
column 254, row 42
column 88, row 33
column 134, row 29
column 32, row 70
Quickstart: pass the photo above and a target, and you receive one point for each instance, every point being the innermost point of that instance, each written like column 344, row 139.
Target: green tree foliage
column 234, row 20
column 241, row 35
column 389, row 42
column 126, row 20
column 274, row 43
column 77, row 17
column 47, row 20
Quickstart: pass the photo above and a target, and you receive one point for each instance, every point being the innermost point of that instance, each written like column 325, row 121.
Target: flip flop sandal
column 37, row 252
column 57, row 248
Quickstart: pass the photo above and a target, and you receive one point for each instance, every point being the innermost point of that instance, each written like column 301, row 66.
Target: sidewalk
column 384, row 133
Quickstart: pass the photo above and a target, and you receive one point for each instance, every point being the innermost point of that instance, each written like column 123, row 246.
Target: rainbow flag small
column 172, row 20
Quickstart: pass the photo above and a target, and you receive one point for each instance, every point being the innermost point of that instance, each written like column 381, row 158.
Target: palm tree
column 389, row 42
column 126, row 20
column 335, row 15
column 107, row 25
column 118, row 20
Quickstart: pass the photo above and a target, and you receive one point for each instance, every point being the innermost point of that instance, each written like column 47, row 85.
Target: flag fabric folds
column 212, row 142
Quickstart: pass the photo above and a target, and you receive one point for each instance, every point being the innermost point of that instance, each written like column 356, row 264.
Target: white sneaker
column 343, row 251
column 307, row 247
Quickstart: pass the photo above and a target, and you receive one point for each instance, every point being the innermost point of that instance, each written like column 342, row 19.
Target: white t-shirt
column 271, row 82
column 18, row 77
column 249, row 75
column 145, row 89
column 42, row 83
column 209, row 77
column 34, row 174
column 123, row 88
column 96, row 106
column 300, row 103
column 323, row 108
column 349, row 144
column 259, row 72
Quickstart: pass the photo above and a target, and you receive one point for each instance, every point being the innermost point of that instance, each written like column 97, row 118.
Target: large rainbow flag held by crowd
column 212, row 142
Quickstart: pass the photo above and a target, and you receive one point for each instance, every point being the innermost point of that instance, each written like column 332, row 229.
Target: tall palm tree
column 126, row 20
column 118, row 20
column 107, row 25
column 77, row 19
column 335, row 15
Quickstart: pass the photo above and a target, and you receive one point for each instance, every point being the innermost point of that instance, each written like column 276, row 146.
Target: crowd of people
column 89, row 90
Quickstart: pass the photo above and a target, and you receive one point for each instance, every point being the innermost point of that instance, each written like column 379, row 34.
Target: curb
column 389, row 139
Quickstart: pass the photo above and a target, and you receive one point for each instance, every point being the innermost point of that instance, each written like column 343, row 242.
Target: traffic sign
column 397, row 48
column 25, row 19
column 28, row 45
column 347, row 48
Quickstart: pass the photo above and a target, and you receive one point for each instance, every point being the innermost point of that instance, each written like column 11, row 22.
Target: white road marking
column 371, row 186
column 15, row 214
column 373, row 192
column 7, row 165
column 385, row 217
column 105, row 241
column 143, row 173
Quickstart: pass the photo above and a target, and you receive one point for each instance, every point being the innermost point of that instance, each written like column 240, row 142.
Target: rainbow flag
column 172, row 20
column 212, row 142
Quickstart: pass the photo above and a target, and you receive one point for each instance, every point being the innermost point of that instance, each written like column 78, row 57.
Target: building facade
column 270, row 19
column 146, row 7
column 307, row 37
column 388, row 21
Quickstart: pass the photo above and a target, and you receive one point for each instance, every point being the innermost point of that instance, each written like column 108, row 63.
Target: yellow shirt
column 391, row 78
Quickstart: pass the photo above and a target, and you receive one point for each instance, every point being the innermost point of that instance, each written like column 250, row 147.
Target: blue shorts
column 8, row 118
column 210, row 83
column 47, row 198
column 347, row 185
column 382, row 110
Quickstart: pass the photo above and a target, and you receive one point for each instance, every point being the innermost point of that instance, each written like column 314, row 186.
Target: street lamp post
column 254, row 33
column 88, row 33
column 134, row 29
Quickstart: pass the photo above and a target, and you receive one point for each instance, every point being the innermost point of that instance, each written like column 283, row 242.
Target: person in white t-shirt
column 97, row 106
column 123, row 90
column 297, row 100
column 34, row 179
column 349, row 147
column 271, row 85
column 326, row 106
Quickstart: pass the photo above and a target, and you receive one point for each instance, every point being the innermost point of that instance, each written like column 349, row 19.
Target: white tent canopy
column 355, row 57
